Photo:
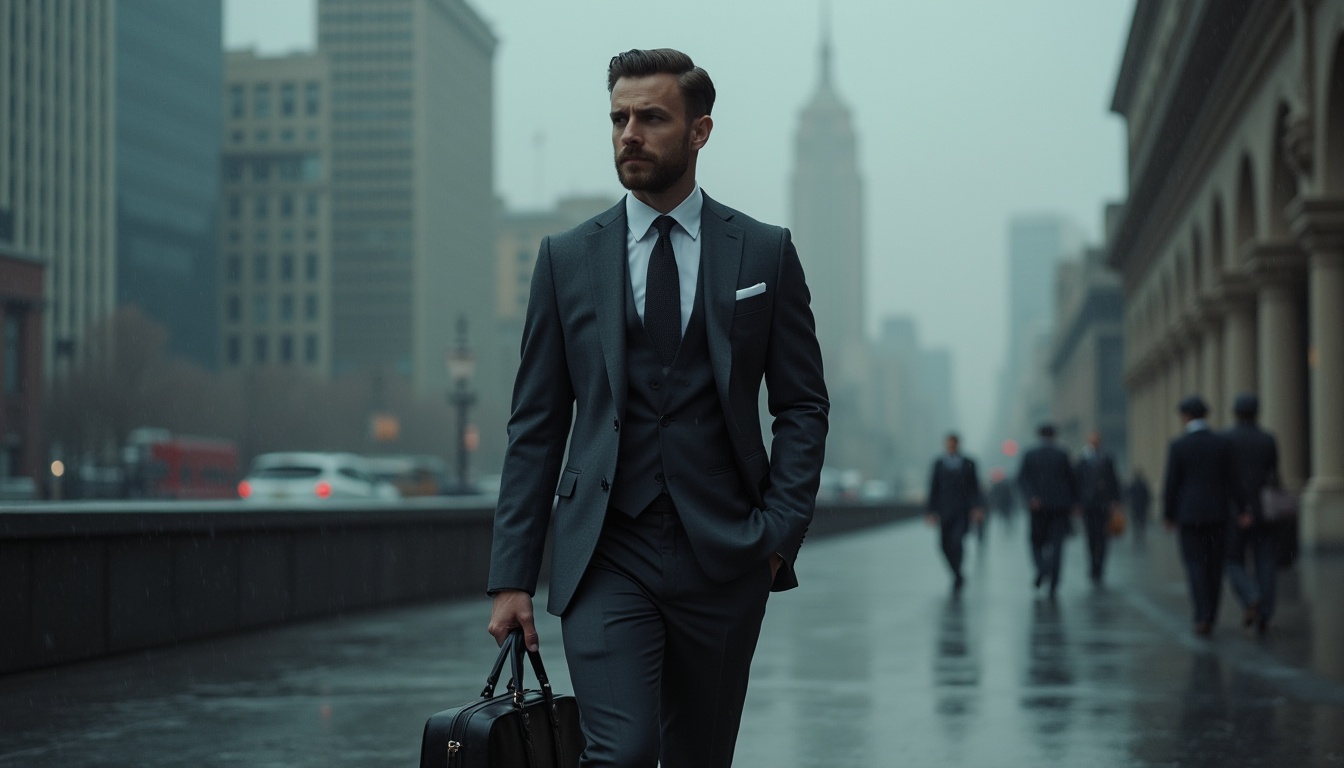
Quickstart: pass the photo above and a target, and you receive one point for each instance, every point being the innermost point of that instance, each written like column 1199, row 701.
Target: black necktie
column 662, row 297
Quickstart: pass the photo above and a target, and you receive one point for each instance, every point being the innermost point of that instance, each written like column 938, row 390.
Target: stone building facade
column 1231, row 244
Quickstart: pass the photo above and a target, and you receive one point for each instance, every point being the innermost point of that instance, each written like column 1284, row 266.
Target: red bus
column 167, row 466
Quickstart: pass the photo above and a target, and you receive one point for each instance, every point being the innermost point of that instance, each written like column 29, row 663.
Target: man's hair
column 953, row 436
column 696, row 87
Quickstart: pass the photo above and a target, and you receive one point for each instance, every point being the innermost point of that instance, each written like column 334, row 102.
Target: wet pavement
column 871, row 662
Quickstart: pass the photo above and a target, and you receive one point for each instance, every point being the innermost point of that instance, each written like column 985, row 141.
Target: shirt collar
column 1196, row 425
column 639, row 217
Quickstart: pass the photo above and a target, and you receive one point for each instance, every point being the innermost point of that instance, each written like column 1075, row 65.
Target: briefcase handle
column 512, row 649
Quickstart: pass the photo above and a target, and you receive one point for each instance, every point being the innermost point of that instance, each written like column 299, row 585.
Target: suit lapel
column 720, row 260
column 606, row 274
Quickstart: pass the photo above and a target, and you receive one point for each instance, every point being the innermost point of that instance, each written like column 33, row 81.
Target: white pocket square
column 747, row 293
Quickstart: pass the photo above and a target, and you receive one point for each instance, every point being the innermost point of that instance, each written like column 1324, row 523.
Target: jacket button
column 606, row 486
column 658, row 477
column 655, row 384
column 616, row 425
column 666, row 422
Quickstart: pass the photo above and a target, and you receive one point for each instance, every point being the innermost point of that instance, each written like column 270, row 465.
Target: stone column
column 1240, row 357
column 1282, row 365
column 1319, row 224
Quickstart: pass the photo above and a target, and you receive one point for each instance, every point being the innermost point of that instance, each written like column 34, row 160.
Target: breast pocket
column 751, row 305
column 568, row 480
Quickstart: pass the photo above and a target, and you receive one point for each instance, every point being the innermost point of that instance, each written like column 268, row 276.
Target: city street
column 870, row 663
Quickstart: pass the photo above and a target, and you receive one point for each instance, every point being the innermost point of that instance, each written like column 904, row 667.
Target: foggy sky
column 967, row 111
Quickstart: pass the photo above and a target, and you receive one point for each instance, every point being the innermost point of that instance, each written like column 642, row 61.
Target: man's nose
column 631, row 134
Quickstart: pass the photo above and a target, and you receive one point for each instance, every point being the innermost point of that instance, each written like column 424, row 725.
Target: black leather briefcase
column 517, row 729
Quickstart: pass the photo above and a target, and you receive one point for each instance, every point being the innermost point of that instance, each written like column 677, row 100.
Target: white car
column 287, row 477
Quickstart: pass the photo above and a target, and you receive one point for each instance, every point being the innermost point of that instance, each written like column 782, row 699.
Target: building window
column 287, row 267
column 235, row 207
column 311, row 134
column 261, row 309
column 287, row 136
column 234, row 313
column 310, row 235
column 261, row 136
column 261, row 100
column 311, row 99
column 311, row 204
column 234, row 236
column 310, row 348
column 237, row 137
column 310, row 307
column 287, row 236
column 261, row 169
column 286, row 206
column 287, row 99
column 233, row 170
column 287, row 308
column 286, row 349
column 234, row 268
column 233, row 350
column 312, row 168
column 237, row 101
column 13, row 353
column 261, row 268
column 259, row 349
column 261, row 237
column 310, row 266
column 261, row 207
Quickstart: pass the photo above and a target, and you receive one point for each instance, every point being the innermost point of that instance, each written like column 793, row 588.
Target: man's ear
column 700, row 129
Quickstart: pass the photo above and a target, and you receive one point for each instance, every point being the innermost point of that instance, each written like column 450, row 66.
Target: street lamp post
column 461, row 370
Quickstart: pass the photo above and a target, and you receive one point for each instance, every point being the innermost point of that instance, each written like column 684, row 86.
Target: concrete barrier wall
column 79, row 581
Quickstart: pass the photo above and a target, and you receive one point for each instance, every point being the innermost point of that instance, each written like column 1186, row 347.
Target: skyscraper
column 57, row 180
column 827, row 224
column 169, row 71
column 827, row 218
column 275, row 306
column 413, row 182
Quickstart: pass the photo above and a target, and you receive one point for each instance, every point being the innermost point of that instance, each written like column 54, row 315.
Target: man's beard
column 665, row 171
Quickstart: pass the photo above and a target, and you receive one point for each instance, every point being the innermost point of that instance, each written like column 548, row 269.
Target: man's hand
column 776, row 562
column 978, row 514
column 513, row 608
column 1169, row 525
column 931, row 518
column 1245, row 520
column 1035, row 504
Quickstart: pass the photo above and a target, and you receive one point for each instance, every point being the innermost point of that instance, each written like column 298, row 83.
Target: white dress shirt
column 641, row 237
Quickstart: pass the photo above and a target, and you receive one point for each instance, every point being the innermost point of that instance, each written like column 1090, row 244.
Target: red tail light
column 244, row 490
column 322, row 489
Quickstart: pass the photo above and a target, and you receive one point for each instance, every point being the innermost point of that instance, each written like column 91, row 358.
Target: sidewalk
column 869, row 663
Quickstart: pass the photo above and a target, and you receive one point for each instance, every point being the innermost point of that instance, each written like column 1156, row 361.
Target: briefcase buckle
column 453, row 746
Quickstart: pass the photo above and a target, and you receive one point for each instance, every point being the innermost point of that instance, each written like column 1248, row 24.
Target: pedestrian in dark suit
column 1140, row 498
column 1099, row 497
column 955, row 502
column 649, row 330
column 1201, row 493
column 1255, row 458
column 1047, row 482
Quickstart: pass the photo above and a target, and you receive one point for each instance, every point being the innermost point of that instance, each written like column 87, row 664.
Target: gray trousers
column 659, row 655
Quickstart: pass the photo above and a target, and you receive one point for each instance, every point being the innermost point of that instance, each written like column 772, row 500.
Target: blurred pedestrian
column 1099, row 497
column 1140, row 498
column 955, row 502
column 1200, row 496
column 1255, row 457
column 1050, row 489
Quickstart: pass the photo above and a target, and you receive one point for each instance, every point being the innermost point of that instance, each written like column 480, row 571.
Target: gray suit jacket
column 573, row 376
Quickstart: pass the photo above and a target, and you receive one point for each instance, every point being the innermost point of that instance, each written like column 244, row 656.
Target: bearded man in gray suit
column 649, row 331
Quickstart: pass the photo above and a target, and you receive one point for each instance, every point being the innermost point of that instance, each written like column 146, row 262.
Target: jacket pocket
column 568, row 480
column 751, row 305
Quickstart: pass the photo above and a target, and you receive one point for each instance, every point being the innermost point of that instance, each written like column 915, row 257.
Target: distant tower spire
column 825, row 42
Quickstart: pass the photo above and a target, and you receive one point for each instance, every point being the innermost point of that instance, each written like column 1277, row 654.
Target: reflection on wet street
column 872, row 662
